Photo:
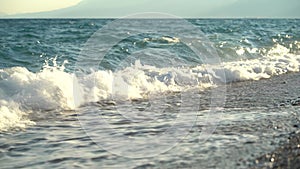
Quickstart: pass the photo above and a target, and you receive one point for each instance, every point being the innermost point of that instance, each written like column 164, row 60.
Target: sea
column 147, row 93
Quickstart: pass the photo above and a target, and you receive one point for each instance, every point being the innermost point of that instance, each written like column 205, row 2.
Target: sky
column 11, row 7
column 120, row 8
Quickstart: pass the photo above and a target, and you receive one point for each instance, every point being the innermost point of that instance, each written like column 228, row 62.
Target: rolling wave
column 24, row 92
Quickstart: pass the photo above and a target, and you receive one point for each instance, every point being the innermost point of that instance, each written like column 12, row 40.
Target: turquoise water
column 28, row 43
column 70, row 98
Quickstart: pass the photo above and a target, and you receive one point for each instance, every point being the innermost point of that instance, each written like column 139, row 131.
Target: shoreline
column 282, row 91
column 286, row 156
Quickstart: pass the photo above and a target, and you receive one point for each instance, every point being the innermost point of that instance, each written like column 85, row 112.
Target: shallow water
column 245, row 131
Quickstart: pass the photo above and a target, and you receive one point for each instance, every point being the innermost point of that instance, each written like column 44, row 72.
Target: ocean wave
column 278, row 60
column 277, row 49
column 24, row 92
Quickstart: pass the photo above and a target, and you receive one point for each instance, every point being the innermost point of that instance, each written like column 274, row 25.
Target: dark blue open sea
column 147, row 93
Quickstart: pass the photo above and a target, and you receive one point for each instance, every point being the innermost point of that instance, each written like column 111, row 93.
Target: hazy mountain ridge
column 234, row 8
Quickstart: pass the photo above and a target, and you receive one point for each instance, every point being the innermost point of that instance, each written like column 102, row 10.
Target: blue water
column 29, row 42
column 150, row 101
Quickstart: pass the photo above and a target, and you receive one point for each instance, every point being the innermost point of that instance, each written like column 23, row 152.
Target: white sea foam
column 277, row 61
column 12, row 117
column 23, row 92
column 164, row 39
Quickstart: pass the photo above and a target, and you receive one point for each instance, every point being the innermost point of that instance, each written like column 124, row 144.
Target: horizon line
column 149, row 18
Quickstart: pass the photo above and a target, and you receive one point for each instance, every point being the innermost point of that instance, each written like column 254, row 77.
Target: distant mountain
column 187, row 8
column 117, row 8
column 261, row 8
column 2, row 14
column 79, row 10
column 88, row 9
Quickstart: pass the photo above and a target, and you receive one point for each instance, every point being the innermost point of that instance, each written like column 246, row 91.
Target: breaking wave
column 24, row 92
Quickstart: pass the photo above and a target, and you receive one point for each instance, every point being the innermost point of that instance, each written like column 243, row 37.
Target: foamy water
column 24, row 92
